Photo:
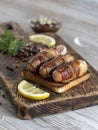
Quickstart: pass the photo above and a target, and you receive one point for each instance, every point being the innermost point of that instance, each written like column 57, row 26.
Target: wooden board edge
column 56, row 107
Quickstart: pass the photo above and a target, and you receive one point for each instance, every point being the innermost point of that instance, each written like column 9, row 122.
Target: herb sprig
column 9, row 44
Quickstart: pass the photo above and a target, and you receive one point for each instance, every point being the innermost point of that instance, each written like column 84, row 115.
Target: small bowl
column 41, row 28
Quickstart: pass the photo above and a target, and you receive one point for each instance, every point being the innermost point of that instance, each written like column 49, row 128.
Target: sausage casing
column 47, row 68
column 40, row 58
column 70, row 71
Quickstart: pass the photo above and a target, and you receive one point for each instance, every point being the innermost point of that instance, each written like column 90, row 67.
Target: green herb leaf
column 3, row 46
column 7, row 37
column 15, row 47
column 9, row 44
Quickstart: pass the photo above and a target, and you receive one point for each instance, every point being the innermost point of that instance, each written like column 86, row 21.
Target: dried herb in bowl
column 44, row 24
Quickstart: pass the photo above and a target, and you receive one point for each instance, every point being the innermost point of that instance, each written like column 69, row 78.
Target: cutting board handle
column 11, row 26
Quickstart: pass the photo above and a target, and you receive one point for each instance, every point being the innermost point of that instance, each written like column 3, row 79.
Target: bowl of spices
column 44, row 24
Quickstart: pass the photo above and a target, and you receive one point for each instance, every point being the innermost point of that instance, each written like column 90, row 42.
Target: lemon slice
column 43, row 39
column 30, row 91
column 62, row 49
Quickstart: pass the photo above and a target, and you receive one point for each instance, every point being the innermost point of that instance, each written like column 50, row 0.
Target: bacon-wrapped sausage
column 70, row 71
column 47, row 68
column 40, row 58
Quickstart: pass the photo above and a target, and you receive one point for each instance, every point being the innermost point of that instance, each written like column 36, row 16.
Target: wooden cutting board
column 83, row 95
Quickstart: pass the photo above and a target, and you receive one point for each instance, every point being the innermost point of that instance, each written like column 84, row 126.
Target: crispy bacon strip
column 47, row 68
column 45, row 55
column 70, row 71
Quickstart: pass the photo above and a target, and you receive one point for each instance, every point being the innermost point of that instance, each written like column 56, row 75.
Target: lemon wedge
column 30, row 91
column 43, row 39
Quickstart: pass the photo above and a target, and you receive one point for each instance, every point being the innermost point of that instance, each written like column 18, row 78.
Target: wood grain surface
column 80, row 23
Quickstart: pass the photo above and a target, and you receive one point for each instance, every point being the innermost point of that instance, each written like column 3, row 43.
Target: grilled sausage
column 40, row 58
column 47, row 68
column 70, row 71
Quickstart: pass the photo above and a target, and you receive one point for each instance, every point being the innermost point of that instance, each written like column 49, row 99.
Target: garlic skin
column 62, row 49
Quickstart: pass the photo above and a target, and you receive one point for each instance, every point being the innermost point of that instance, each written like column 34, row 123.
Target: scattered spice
column 9, row 68
column 3, row 95
column 27, row 51
column 16, row 65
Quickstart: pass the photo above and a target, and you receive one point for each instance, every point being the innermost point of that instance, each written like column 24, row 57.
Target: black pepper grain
column 27, row 51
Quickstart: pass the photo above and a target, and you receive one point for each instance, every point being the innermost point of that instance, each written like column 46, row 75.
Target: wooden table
column 80, row 30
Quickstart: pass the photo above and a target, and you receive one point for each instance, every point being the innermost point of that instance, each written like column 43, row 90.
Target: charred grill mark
column 66, row 73
column 29, row 66
column 42, row 58
column 77, row 71
column 63, row 72
column 69, row 70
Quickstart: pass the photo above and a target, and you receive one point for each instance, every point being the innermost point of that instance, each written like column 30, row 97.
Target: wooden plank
column 86, row 94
